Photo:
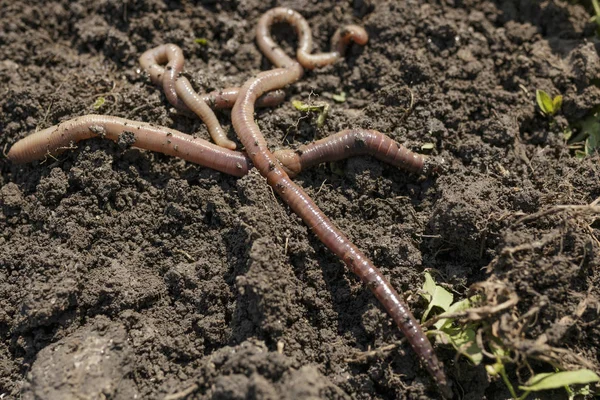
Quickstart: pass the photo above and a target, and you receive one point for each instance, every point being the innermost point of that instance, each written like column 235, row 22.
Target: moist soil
column 129, row 274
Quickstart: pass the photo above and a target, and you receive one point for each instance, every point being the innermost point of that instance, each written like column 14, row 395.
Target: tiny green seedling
column 463, row 337
column 201, row 41
column 99, row 103
column 340, row 98
column 549, row 106
column 596, row 18
column 587, row 139
column 319, row 106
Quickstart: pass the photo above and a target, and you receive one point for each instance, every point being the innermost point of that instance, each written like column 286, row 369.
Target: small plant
column 587, row 140
column 549, row 106
column 468, row 337
column 201, row 41
column 596, row 18
column 318, row 106
column 99, row 103
column 340, row 98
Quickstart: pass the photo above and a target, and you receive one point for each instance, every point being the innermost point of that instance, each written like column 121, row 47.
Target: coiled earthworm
column 248, row 132
column 182, row 96
column 279, row 58
column 53, row 140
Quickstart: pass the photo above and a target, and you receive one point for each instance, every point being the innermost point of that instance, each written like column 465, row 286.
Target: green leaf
column 494, row 369
column 340, row 98
column 555, row 380
column 557, row 103
column 201, row 41
column 99, row 103
column 459, row 306
column 463, row 341
column 544, row 102
column 320, row 106
column 427, row 146
column 435, row 295
column 591, row 143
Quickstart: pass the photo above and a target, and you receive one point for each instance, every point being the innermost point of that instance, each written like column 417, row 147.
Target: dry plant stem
column 53, row 140
column 248, row 132
column 182, row 96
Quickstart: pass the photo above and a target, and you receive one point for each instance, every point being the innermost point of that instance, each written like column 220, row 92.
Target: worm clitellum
column 181, row 95
column 242, row 116
column 55, row 139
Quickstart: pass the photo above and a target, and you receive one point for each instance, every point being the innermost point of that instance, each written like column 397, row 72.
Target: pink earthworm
column 248, row 132
column 57, row 138
column 354, row 142
column 152, row 59
column 181, row 94
column 275, row 54
column 225, row 98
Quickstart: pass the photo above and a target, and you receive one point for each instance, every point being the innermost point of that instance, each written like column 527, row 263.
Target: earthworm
column 279, row 58
column 152, row 59
column 180, row 93
column 225, row 98
column 57, row 138
column 248, row 132
column 353, row 142
column 53, row 140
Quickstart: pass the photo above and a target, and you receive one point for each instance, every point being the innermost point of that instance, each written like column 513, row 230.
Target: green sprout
column 463, row 337
column 549, row 106
column 596, row 18
column 99, row 103
column 319, row 106
column 201, row 41
column 588, row 138
column 340, row 98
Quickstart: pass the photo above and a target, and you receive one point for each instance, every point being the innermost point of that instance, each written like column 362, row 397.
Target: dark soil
column 127, row 274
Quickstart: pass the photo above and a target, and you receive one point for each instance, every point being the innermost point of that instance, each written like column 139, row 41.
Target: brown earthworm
column 147, row 136
column 225, row 98
column 277, row 56
column 353, row 142
column 248, row 132
column 182, row 96
column 53, row 140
